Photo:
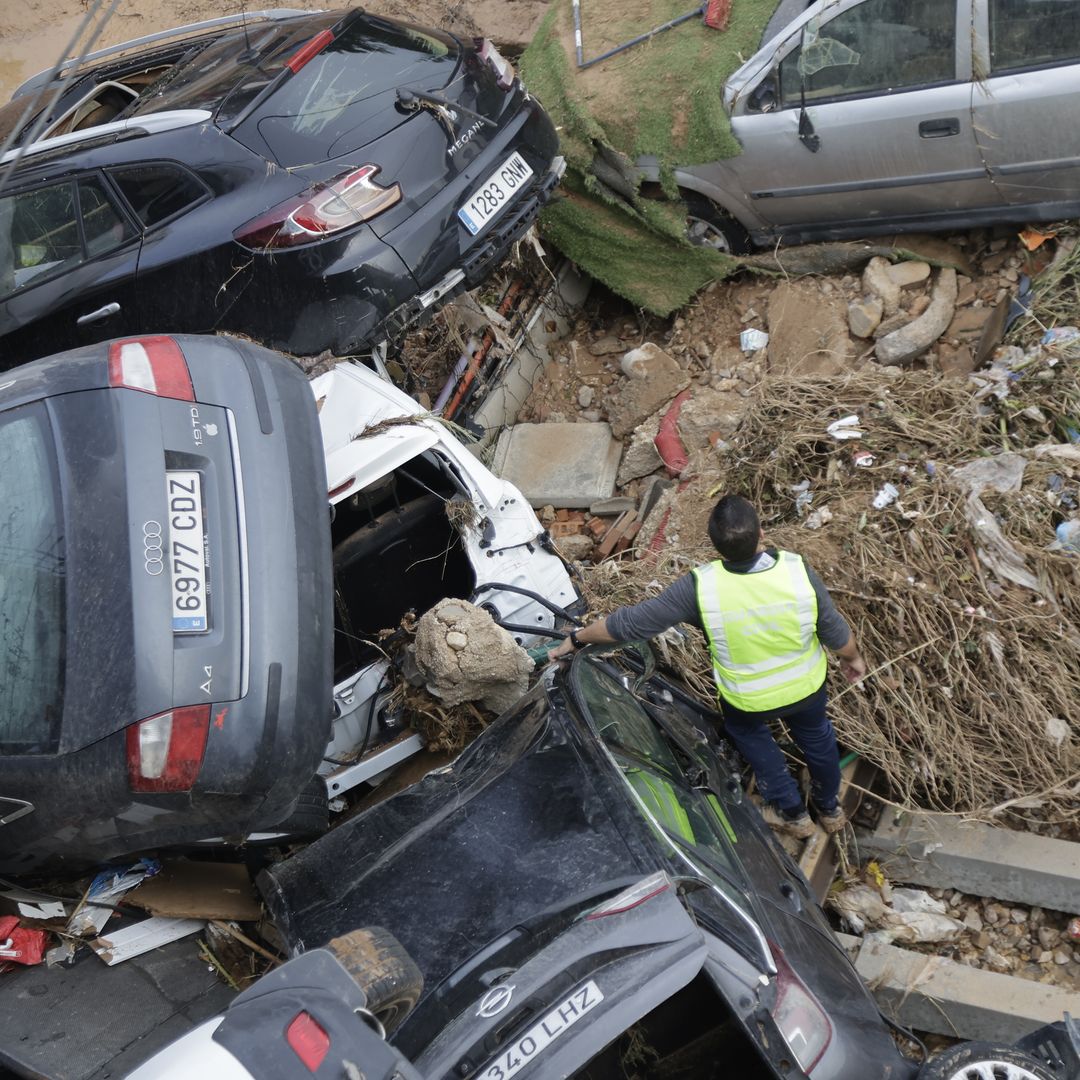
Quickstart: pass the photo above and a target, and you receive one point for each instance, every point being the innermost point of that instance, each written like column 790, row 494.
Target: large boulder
column 464, row 655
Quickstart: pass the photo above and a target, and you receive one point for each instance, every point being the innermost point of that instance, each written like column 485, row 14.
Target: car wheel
column 707, row 225
column 383, row 969
column 983, row 1061
column 311, row 815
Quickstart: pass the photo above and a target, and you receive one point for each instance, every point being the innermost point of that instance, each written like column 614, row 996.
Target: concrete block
column 930, row 993
column 979, row 859
column 570, row 465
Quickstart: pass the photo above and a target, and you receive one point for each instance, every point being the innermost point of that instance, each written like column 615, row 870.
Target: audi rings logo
column 495, row 1000
column 153, row 554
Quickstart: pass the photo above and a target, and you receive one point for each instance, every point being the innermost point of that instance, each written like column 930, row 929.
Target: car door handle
column 939, row 129
column 97, row 316
column 13, row 809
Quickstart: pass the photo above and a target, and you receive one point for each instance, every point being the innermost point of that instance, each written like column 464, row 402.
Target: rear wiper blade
column 416, row 99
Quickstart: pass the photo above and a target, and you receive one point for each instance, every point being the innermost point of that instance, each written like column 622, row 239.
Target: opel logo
column 495, row 1000
column 153, row 556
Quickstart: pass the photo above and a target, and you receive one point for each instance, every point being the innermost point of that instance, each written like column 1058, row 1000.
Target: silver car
column 876, row 116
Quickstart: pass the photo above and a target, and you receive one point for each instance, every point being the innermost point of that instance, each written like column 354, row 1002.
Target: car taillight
column 308, row 1040
column 630, row 898
column 154, row 365
column 325, row 209
column 801, row 1020
column 504, row 70
column 165, row 752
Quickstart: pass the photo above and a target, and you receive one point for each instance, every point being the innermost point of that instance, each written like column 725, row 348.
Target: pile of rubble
column 847, row 406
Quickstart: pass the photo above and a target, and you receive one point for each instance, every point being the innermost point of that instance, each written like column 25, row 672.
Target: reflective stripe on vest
column 762, row 632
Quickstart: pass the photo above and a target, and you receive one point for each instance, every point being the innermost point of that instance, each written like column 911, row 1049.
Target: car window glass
column 31, row 584
column 620, row 718
column 875, row 47
column 1021, row 34
column 156, row 192
column 690, row 819
column 104, row 227
column 39, row 233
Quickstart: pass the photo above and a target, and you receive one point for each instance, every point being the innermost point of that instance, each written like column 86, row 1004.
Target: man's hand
column 564, row 648
column 854, row 670
column 851, row 662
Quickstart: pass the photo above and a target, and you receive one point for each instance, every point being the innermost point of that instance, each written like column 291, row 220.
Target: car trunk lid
column 152, row 558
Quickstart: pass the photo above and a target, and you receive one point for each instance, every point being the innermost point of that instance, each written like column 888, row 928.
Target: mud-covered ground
column 33, row 33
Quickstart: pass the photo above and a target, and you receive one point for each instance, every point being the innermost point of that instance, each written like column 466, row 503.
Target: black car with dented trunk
column 316, row 181
column 592, row 864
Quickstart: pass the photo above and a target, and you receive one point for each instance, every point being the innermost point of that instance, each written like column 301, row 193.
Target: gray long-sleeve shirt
column 678, row 603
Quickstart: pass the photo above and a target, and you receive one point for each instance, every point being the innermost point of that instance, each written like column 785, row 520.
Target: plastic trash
column 1061, row 335
column 1073, row 929
column 888, row 494
column 1068, row 535
column 752, row 340
column 846, row 427
column 862, row 459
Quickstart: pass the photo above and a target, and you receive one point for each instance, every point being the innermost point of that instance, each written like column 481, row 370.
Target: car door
column 68, row 255
column 863, row 116
column 1025, row 109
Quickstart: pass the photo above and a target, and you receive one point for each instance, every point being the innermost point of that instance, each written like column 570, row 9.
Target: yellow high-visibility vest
column 762, row 633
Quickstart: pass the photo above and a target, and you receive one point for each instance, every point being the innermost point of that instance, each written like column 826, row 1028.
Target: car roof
column 136, row 125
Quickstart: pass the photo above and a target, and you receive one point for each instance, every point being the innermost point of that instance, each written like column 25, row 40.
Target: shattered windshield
column 31, row 584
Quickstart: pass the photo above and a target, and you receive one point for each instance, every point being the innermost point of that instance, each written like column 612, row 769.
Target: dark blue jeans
column 811, row 729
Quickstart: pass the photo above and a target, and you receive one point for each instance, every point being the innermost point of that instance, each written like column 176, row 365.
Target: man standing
column 766, row 616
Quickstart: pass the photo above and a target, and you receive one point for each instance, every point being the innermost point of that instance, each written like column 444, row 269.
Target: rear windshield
column 31, row 584
column 332, row 104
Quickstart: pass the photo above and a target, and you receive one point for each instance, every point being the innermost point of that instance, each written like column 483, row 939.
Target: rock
column 918, row 305
column 956, row 363
column 640, row 456
column 490, row 667
column 904, row 345
column 908, row 272
column 993, row 263
column 1046, row 957
column 709, row 411
column 879, row 281
column 973, row 921
column 653, row 379
column 575, row 548
column 808, row 332
column 967, row 324
column 993, row 959
column 585, row 396
column 966, row 294
column 864, row 315
column 892, row 323
column 1062, row 956
column 1018, row 915
column 606, row 345
column 1048, row 937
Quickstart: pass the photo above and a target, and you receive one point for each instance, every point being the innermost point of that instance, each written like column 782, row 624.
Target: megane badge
column 495, row 1000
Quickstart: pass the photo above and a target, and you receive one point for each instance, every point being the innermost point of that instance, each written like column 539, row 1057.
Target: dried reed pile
column 972, row 703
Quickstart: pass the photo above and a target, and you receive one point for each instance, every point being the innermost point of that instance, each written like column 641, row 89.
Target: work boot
column 834, row 820
column 801, row 827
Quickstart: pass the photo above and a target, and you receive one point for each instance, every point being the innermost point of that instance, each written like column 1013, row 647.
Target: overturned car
column 188, row 638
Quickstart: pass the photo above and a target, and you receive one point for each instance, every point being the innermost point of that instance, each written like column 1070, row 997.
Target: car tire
column 383, row 969
column 983, row 1061
column 310, row 816
column 707, row 225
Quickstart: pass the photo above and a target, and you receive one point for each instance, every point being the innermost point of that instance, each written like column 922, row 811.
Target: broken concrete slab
column 618, row 504
column 566, row 465
column 933, row 994
column 653, row 378
column 808, row 331
column 978, row 859
column 641, row 456
column 904, row 345
column 464, row 655
column 710, row 412
column 575, row 547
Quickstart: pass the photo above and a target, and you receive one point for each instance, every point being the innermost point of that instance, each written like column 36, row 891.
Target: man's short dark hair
column 734, row 528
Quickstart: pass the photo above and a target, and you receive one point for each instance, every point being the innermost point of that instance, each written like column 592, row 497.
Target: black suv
column 316, row 181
